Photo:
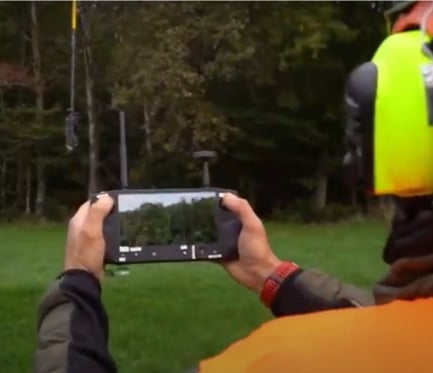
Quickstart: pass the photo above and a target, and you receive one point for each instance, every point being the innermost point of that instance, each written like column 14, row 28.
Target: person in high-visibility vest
column 389, row 135
column 390, row 147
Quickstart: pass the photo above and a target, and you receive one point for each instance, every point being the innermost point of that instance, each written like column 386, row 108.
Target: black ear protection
column 359, row 99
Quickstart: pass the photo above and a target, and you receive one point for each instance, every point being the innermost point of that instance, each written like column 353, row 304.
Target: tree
column 262, row 87
column 89, row 68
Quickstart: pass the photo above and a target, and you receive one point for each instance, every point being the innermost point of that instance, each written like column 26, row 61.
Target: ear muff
column 359, row 99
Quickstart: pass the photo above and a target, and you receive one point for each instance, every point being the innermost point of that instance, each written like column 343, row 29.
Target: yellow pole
column 74, row 15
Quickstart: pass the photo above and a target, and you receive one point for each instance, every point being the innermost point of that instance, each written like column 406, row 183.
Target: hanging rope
column 73, row 47
column 71, row 120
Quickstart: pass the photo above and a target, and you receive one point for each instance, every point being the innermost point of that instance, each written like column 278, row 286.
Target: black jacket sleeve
column 72, row 327
column 308, row 290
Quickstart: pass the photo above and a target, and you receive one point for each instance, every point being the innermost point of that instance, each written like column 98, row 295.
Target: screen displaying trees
column 184, row 222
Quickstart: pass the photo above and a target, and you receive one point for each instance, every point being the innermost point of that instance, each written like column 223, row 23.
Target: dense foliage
column 178, row 223
column 260, row 83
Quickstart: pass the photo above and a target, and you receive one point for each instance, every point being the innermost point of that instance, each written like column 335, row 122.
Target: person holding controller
column 389, row 118
column 73, row 324
column 72, row 321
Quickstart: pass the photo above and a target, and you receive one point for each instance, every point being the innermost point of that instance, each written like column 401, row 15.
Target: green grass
column 164, row 318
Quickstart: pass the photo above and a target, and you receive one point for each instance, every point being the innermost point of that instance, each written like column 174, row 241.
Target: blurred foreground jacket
column 389, row 338
column 72, row 323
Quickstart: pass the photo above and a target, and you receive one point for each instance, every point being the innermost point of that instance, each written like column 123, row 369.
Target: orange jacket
column 396, row 337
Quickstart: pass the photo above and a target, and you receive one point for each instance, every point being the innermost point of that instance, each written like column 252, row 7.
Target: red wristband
column 273, row 282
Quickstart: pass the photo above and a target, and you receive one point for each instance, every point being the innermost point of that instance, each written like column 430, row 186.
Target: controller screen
column 167, row 218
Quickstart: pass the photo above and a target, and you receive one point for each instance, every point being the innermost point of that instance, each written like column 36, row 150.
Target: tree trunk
column 353, row 197
column 321, row 192
column 23, row 24
column 91, row 111
column 3, row 184
column 18, row 186
column 28, row 209
column 40, row 189
column 147, row 128
column 93, row 137
column 39, row 90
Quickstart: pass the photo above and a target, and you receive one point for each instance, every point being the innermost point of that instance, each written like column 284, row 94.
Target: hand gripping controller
column 228, row 228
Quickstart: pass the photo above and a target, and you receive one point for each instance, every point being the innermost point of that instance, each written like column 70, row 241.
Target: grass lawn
column 164, row 318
